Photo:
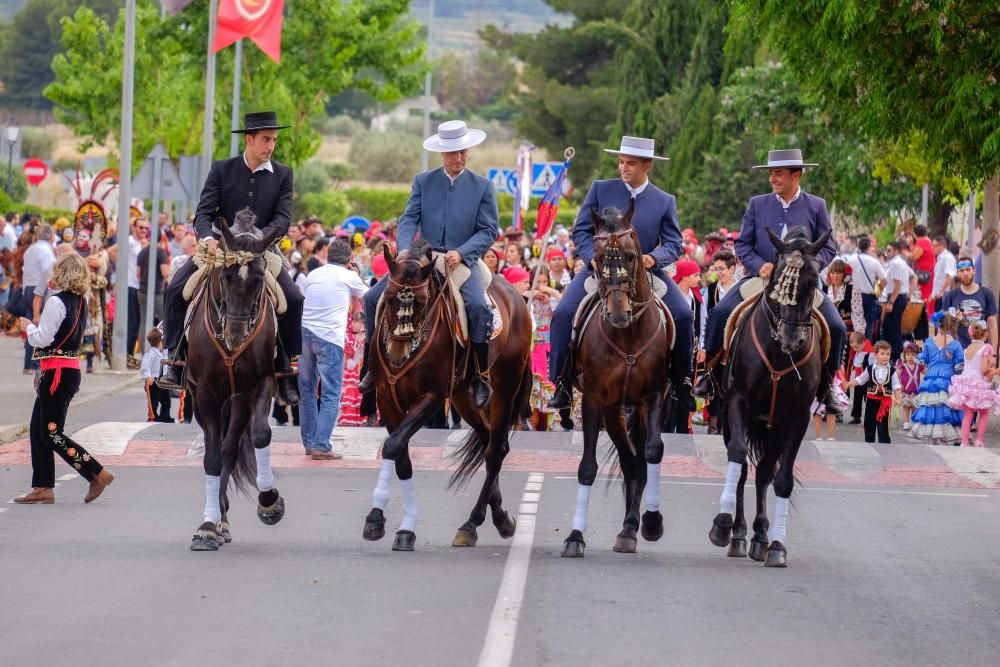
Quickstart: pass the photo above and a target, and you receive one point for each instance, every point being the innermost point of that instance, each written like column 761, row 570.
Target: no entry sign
column 35, row 171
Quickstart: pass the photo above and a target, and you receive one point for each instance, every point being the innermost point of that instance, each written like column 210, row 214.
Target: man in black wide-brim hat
column 251, row 180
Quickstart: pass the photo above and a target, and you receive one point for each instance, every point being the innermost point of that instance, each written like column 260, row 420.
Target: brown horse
column 418, row 363
column 622, row 366
column 230, row 371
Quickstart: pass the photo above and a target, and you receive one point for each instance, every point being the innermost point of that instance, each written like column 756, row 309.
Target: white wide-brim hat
column 787, row 158
column 637, row 147
column 453, row 135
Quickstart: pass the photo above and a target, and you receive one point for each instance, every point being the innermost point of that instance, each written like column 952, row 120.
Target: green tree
column 29, row 44
column 366, row 44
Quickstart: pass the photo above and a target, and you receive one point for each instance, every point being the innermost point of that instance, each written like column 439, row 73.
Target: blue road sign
column 542, row 176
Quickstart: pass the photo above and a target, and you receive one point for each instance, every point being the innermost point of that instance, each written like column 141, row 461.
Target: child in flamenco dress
column 934, row 419
column 910, row 372
column 972, row 392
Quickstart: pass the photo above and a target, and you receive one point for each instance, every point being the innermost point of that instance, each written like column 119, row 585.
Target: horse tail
column 523, row 401
column 470, row 455
column 757, row 438
column 240, row 462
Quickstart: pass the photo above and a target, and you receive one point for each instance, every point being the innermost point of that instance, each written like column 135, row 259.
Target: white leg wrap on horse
column 410, row 513
column 582, row 503
column 652, row 494
column 727, row 501
column 777, row 531
column 380, row 496
column 265, row 476
column 213, row 512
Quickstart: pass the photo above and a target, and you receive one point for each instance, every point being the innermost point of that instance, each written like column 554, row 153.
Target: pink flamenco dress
column 350, row 398
column 971, row 389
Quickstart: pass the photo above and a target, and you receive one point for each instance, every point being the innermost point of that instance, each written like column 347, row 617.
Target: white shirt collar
column 635, row 192
column 798, row 191
column 266, row 166
column 449, row 175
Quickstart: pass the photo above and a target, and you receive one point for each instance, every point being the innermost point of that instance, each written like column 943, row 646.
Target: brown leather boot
column 40, row 495
column 97, row 485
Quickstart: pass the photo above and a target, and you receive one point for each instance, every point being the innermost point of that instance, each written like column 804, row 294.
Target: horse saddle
column 206, row 260
column 591, row 302
column 751, row 291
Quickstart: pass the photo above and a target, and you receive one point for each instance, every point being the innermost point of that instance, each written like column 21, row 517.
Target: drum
column 911, row 316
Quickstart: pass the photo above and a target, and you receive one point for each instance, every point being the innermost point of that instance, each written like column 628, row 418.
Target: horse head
column 618, row 265
column 789, row 292
column 407, row 298
column 242, row 275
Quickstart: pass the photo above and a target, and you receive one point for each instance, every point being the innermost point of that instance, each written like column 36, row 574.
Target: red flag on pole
column 260, row 20
column 549, row 206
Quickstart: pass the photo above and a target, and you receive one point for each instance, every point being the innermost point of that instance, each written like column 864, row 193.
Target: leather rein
column 436, row 312
column 775, row 374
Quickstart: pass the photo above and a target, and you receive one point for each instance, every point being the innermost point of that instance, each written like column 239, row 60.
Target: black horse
column 775, row 364
column 230, row 374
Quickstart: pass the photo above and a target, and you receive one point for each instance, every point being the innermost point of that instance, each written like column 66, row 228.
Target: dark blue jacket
column 754, row 247
column 460, row 216
column 654, row 220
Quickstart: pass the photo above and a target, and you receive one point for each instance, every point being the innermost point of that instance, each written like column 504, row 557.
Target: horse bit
column 613, row 268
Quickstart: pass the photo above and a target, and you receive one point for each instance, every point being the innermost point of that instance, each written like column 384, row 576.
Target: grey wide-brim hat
column 637, row 147
column 787, row 158
column 453, row 135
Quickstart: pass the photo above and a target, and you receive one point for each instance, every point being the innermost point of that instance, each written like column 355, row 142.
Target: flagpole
column 120, row 332
column 234, row 141
column 568, row 154
column 208, row 138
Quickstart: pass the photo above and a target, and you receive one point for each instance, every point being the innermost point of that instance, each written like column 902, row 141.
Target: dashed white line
column 67, row 477
column 498, row 648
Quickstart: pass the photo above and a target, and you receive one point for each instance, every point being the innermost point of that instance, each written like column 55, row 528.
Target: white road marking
column 855, row 461
column 498, row 648
column 530, row 497
column 533, row 486
column 67, row 477
column 357, row 443
column 3, row 509
column 836, row 489
column 980, row 465
column 109, row 438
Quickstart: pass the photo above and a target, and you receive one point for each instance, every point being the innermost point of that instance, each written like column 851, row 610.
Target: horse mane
column 612, row 218
column 797, row 238
column 245, row 224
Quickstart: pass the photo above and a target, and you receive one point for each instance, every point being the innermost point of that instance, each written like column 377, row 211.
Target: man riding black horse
column 255, row 181
column 786, row 207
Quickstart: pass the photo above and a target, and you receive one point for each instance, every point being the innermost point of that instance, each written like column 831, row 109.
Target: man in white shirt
column 39, row 259
column 895, row 297
column 137, row 240
column 865, row 272
column 944, row 273
column 328, row 292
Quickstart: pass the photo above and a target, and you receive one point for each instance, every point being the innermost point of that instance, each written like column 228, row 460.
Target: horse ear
column 390, row 261
column 820, row 242
column 429, row 255
column 779, row 245
column 596, row 219
column 227, row 234
column 626, row 220
column 268, row 240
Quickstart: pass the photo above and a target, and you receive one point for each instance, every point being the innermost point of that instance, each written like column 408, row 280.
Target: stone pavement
column 17, row 394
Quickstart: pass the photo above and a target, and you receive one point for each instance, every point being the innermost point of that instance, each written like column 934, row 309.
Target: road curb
column 11, row 432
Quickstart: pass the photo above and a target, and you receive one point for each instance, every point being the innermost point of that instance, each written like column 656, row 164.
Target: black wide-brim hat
column 260, row 120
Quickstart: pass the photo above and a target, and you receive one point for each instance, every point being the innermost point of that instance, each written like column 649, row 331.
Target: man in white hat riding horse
column 785, row 207
column 655, row 223
column 455, row 210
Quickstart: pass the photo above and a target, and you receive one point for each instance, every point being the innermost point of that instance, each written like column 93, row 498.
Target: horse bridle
column 611, row 239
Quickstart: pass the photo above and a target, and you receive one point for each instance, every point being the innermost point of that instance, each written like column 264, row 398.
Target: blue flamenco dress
column 934, row 419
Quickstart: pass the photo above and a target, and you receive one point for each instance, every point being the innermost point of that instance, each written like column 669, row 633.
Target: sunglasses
column 964, row 265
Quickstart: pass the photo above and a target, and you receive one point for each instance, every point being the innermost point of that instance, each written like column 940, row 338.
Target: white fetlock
column 380, row 496
column 778, row 526
column 727, row 501
column 651, row 496
column 582, row 507
column 410, row 513
column 265, row 475
column 213, row 513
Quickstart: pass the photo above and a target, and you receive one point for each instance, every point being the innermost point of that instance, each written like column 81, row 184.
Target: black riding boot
column 824, row 394
column 708, row 383
column 481, row 389
column 366, row 384
column 170, row 369
column 562, row 397
column 288, row 381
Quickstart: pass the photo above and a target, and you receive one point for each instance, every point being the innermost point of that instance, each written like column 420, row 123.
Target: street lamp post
column 13, row 131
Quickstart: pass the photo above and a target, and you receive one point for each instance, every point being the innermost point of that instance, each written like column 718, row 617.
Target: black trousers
column 48, row 418
column 133, row 321
column 873, row 313
column 175, row 307
column 892, row 326
column 873, row 425
column 858, row 402
column 157, row 403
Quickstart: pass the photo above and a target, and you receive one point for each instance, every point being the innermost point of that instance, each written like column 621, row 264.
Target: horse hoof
column 722, row 527
column 465, row 538
column 776, row 555
column 652, row 526
column 574, row 546
column 405, row 539
column 374, row 525
column 224, row 533
column 507, row 527
column 758, row 549
column 625, row 544
column 271, row 515
column 737, row 548
column 206, row 538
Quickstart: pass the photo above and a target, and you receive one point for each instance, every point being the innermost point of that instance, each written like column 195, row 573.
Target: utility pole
column 208, row 137
column 427, row 89
column 234, row 122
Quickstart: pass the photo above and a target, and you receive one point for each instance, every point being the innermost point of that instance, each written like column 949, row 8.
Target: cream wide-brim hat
column 637, row 147
column 453, row 135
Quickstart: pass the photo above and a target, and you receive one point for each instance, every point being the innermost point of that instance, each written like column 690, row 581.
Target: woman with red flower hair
column 57, row 340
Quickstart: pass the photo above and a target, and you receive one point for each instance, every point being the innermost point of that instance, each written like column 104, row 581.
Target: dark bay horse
column 775, row 363
column 622, row 362
column 417, row 364
column 230, row 371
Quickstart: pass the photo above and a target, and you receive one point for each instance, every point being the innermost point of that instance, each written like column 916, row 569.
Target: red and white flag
column 260, row 20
